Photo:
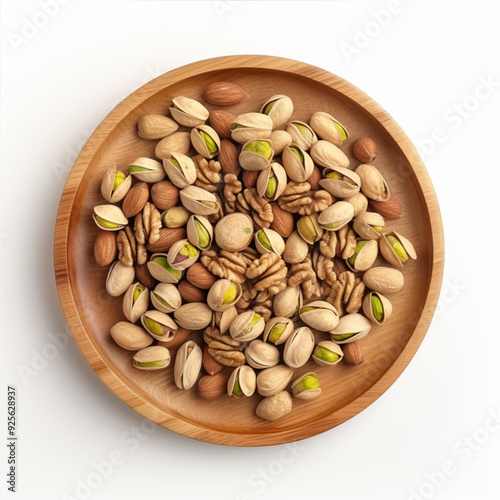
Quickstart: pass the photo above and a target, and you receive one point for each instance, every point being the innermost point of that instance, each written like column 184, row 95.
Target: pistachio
column 182, row 255
column 135, row 301
column 298, row 347
column 247, row 326
column 251, row 127
column 223, row 294
column 340, row 182
column 297, row 163
column 320, row 315
column 119, row 278
column 193, row 316
column 336, row 216
column 271, row 182
column 267, row 240
column 383, row 280
column 256, row 155
column 327, row 155
column 365, row 254
column 147, row 170
column 274, row 407
column 302, row 134
column 359, row 202
column 273, row 380
column 396, row 249
column 279, row 108
column 159, row 325
column 351, row 327
column 205, row 140
column 242, row 382
column 129, row 336
column 200, row 232
column 175, row 217
column 306, row 386
column 309, row 228
column 373, row 184
column 188, row 112
column 296, row 249
column 166, row 298
column 199, row 201
column 280, row 140
column 377, row 308
column 161, row 270
column 261, row 355
column 328, row 128
column 234, row 232
column 327, row 353
column 115, row 184
column 277, row 330
column 152, row 358
column 223, row 319
column 187, row 365
column 180, row 169
column 109, row 218
column 288, row 302
column 369, row 225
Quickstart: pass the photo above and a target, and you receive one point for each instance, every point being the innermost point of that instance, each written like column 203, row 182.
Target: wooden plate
column 347, row 390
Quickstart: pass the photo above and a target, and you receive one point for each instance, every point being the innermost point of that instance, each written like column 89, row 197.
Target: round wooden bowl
column 346, row 390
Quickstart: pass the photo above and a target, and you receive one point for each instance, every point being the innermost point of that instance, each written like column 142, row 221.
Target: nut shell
column 215, row 298
column 134, row 309
column 297, row 170
column 304, row 138
column 326, row 154
column 390, row 254
column 193, row 316
column 324, row 317
column 187, row 365
column 364, row 224
column 250, row 127
column 111, row 214
column 341, row 188
column 181, row 176
column 151, row 170
column 373, row 184
column 328, row 128
column 234, row 232
column 200, row 145
column 169, row 326
column 178, row 142
column 241, row 322
column 351, row 327
column 299, row 347
column 199, row 201
column 281, row 110
column 308, row 393
column 384, row 280
column 288, row 302
column 114, row 196
column 130, row 337
column 188, row 112
column 275, row 407
column 154, row 357
column 166, row 298
column 273, row 380
column 330, row 346
column 261, row 355
column 154, row 127
column 285, row 324
column 296, row 249
column 246, row 378
column 368, row 309
column 119, row 278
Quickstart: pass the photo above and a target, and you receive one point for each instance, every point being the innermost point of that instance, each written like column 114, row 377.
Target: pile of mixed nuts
column 265, row 241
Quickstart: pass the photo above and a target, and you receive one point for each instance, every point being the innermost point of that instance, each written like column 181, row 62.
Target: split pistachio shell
column 188, row 112
column 298, row 347
column 359, row 202
column 340, row 182
column 256, row 155
column 365, row 254
column 302, row 134
column 242, row 382
column 182, row 255
column 327, row 353
column 306, row 386
column 279, row 108
column 351, row 327
column 193, row 316
column 147, row 170
column 152, row 358
column 159, row 325
column 175, row 217
column 261, row 355
column 180, row 169
column 309, row 228
column 277, row 330
column 326, row 154
column 200, row 232
column 119, row 278
column 223, row 294
column 161, row 270
column 288, row 302
column 336, row 216
column 109, row 217
column 251, row 127
column 280, row 140
column 369, row 225
column 271, row 182
column 166, row 298
column 377, row 308
column 135, row 301
column 396, row 249
column 274, row 407
column 115, row 185
column 223, row 319
column 385, row 280
column 320, row 315
column 297, row 163
column 205, row 140
column 187, row 365
column 373, row 184
column 328, row 128
column 199, row 201
column 129, row 336
column 273, row 380
column 296, row 249
column 269, row 241
column 247, row 326
column 234, row 232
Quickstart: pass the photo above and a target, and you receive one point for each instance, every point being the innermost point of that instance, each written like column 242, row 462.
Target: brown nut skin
column 144, row 276
column 135, row 199
column 354, row 353
column 250, row 177
column 164, row 195
column 364, row 149
column 105, row 248
column 314, row 179
column 283, row 222
column 167, row 238
column 390, row 209
column 200, row 277
column 220, row 121
column 224, row 94
column 210, row 365
column 190, row 293
column 228, row 157
column 212, row 386
column 180, row 336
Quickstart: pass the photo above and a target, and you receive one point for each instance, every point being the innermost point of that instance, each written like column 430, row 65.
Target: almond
column 155, row 126
column 212, row 386
column 224, row 94
column 364, row 149
column 249, row 178
column 209, row 364
column 314, row 179
column 390, row 209
column 135, row 199
column 105, row 247
column 143, row 275
column 190, row 293
column 164, row 195
column 180, row 336
column 283, row 222
column 354, row 353
column 221, row 123
column 199, row 276
column 228, row 157
column 167, row 238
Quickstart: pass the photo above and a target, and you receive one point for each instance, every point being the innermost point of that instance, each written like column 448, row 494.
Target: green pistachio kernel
column 332, row 225
column 357, row 249
column 203, row 235
column 151, row 364
column 377, row 308
column 271, row 187
column 398, row 248
column 297, row 307
column 264, row 240
column 379, row 229
column 259, row 147
column 188, row 251
column 235, row 126
column 298, row 153
column 306, row 309
column 153, row 326
column 119, row 178
column 164, row 263
column 237, row 389
column 105, row 223
column 307, row 383
column 137, row 291
column 136, row 168
column 230, row 294
column 255, row 319
column 334, row 175
column 268, row 108
column 342, row 130
column 276, row 332
column 163, row 302
column 343, row 336
column 304, row 132
column 175, row 163
column 210, row 143
column 325, row 354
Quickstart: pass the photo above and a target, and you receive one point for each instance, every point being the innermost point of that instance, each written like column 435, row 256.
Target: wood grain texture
column 347, row 390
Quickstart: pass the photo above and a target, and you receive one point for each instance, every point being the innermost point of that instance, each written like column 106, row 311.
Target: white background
column 426, row 64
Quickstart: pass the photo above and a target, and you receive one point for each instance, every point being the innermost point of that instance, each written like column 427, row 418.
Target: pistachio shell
column 328, row 128
column 166, row 298
column 199, row 201
column 296, row 249
column 247, row 326
column 200, row 232
column 275, row 406
column 178, row 142
column 305, row 393
column 176, row 258
column 200, row 144
column 223, row 319
column 193, row 316
column 366, row 222
column 269, row 241
column 152, row 358
column 149, row 170
column 164, row 273
column 184, row 173
column 273, row 380
column 274, row 171
column 302, row 134
column 278, row 329
column 261, row 355
column 359, row 202
column 280, row 111
column 320, row 315
column 187, row 365
column 309, row 228
column 135, row 307
column 336, row 216
column 246, row 379
column 298, row 168
column 188, row 112
column 326, row 154
column 250, row 160
column 107, row 185
column 341, row 188
column 109, row 217
column 288, row 302
column 333, row 348
column 351, row 327
column 234, row 232
column 250, row 127
column 365, row 257
column 129, row 336
column 298, row 347
column 385, row 280
column 175, row 217
column 389, row 253
column 223, row 294
column 167, row 326
column 119, row 278
column 280, row 140
column 385, row 308
column 373, row 184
